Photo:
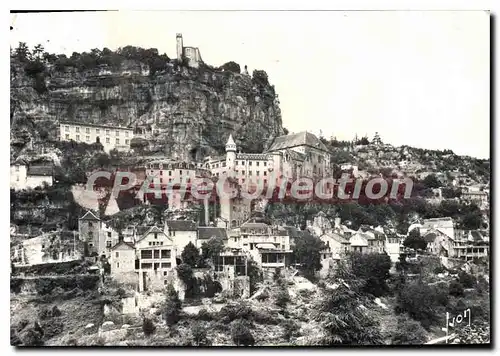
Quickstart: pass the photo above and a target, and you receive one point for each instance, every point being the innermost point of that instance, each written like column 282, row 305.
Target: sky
column 418, row 78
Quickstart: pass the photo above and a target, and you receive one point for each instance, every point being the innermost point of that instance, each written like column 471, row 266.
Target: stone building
column 30, row 176
column 191, row 54
column 110, row 137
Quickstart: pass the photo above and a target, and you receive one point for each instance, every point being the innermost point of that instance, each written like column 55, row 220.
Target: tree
column 254, row 273
column 415, row 241
column 340, row 315
column 172, row 306
column 231, row 67
column 466, row 279
column 199, row 335
column 421, row 301
column 431, row 181
column 408, row 332
column 148, row 327
column 241, row 335
column 307, row 254
column 212, row 248
column 373, row 270
column 190, row 255
column 456, row 289
column 185, row 274
column 260, row 78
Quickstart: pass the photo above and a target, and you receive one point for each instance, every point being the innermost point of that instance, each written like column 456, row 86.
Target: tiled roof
column 149, row 230
column 73, row 123
column 254, row 156
column 207, row 232
column 337, row 237
column 181, row 225
column 299, row 139
column 123, row 243
column 40, row 170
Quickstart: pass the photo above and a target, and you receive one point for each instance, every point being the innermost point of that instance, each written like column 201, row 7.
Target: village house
column 182, row 232
column 110, row 137
column 393, row 246
column 205, row 233
column 445, row 225
column 156, row 258
column 122, row 262
column 89, row 231
column 359, row 242
column 465, row 244
column 336, row 246
column 480, row 198
column 30, row 176
column 268, row 245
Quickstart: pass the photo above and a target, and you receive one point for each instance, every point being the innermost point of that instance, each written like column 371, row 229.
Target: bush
column 32, row 336
column 172, row 307
column 205, row 315
column 467, row 280
column 456, row 289
column 241, row 335
column 439, row 269
column 408, row 332
column 290, row 329
column 148, row 327
column 282, row 298
column 199, row 335
column 52, row 328
column 231, row 67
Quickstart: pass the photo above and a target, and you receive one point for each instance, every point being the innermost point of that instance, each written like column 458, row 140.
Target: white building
column 182, row 232
column 444, row 225
column 24, row 176
column 111, row 137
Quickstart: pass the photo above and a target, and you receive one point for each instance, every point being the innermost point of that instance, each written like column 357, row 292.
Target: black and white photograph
column 208, row 179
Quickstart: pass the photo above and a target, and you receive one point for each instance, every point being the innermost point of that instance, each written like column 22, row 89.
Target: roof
column 207, row 232
column 123, row 243
column 181, row 225
column 299, row 139
column 430, row 237
column 94, row 125
column 150, row 230
column 337, row 237
column 230, row 140
column 476, row 235
column 89, row 215
column 40, row 170
column 254, row 225
column 296, row 156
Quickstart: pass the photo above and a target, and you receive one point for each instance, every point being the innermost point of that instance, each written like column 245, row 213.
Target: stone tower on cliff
column 179, row 46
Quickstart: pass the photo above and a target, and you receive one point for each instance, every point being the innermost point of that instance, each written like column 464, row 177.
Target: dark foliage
column 241, row 334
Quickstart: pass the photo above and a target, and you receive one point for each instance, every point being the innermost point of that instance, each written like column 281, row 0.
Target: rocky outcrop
column 183, row 112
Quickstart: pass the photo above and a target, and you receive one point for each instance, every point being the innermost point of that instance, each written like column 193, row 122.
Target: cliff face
column 185, row 113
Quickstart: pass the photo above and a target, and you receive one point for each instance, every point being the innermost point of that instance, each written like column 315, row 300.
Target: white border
column 201, row 5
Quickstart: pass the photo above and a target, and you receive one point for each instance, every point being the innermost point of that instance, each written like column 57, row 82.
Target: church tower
column 230, row 155
column 180, row 47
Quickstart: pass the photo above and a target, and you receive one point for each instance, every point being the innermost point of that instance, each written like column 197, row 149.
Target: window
column 146, row 254
column 109, row 234
column 257, row 164
column 265, row 164
column 165, row 254
column 223, row 164
column 146, row 265
column 67, row 128
column 117, row 133
column 117, row 141
column 17, row 168
column 156, row 253
column 117, row 264
column 169, row 173
column 165, row 273
column 242, row 173
column 156, row 235
column 249, row 173
column 236, row 172
column 257, row 173
column 108, row 244
column 87, row 138
column 67, row 136
column 127, row 142
column 117, row 254
column 250, row 163
column 87, row 130
column 90, row 224
column 97, row 131
column 166, row 265
column 78, row 137
column 265, row 173
column 77, row 129
column 107, row 139
column 180, row 172
column 107, row 132
column 126, row 133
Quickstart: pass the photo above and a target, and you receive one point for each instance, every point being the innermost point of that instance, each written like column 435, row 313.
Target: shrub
column 148, row 327
column 456, row 289
column 205, row 315
column 172, row 307
column 290, row 329
column 231, row 67
column 52, row 328
column 199, row 335
column 408, row 332
column 467, row 280
column 282, row 298
column 32, row 336
column 241, row 335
